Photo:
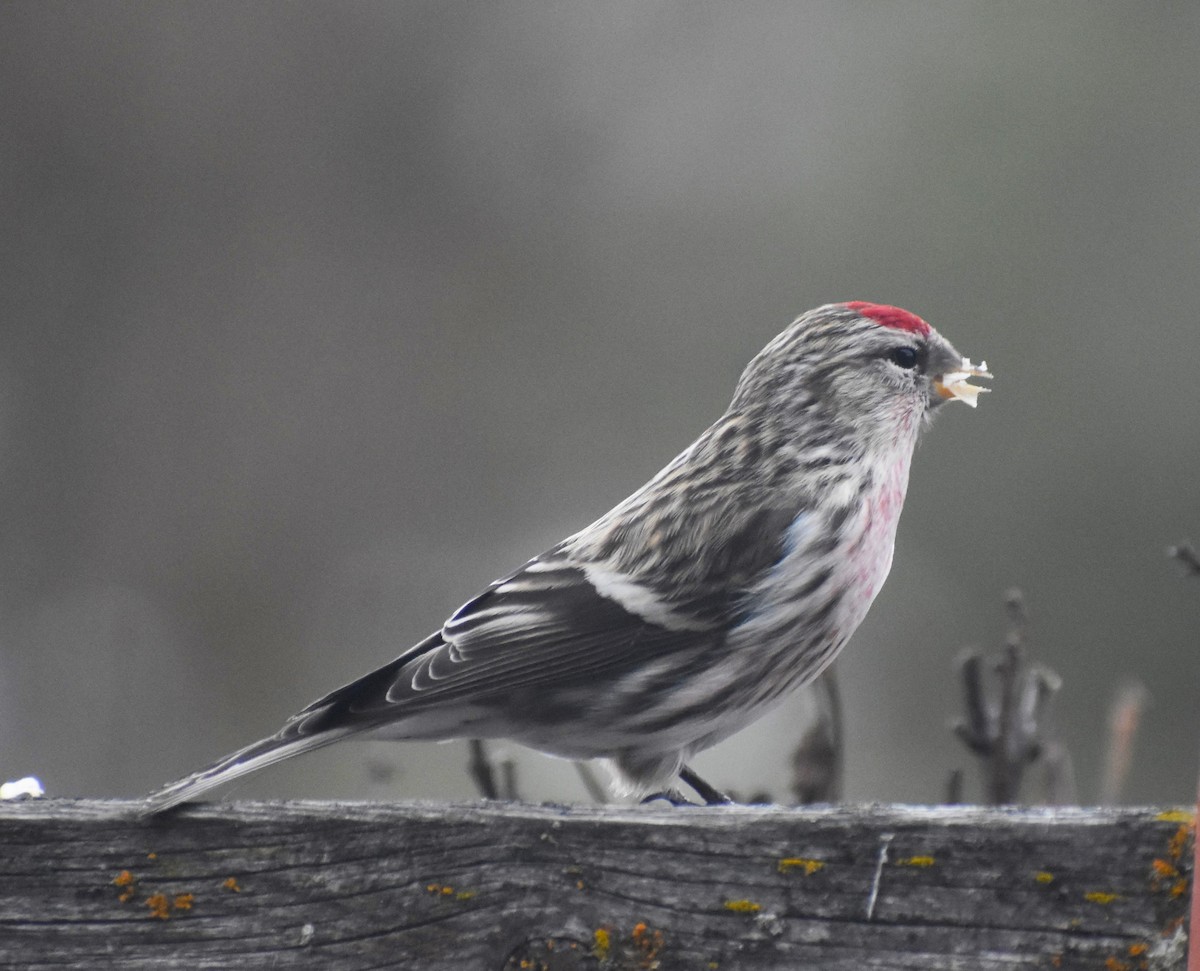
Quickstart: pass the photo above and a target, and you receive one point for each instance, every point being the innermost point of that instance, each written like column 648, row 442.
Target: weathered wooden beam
column 507, row 886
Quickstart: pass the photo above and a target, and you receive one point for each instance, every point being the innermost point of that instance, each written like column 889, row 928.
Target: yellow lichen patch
column 445, row 890
column 601, row 943
column 151, row 856
column 743, row 906
column 160, row 906
column 183, row 901
column 919, row 861
column 1043, row 876
column 790, row 863
column 1179, row 888
column 1101, row 897
column 231, row 884
column 1175, row 816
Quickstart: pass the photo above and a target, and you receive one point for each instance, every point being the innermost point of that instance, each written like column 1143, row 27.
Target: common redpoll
column 677, row 618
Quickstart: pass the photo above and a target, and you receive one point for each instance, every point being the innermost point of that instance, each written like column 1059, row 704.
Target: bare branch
column 1010, row 730
column 817, row 760
column 480, row 767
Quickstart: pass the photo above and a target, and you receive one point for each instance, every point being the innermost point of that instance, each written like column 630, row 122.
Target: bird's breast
column 837, row 556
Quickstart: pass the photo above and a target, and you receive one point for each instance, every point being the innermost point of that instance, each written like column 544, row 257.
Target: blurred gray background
column 316, row 317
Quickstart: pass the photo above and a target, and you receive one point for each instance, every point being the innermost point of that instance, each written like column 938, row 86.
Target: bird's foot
column 673, row 796
column 711, row 795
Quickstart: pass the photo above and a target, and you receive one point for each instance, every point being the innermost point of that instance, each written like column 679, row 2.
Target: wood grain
column 507, row 886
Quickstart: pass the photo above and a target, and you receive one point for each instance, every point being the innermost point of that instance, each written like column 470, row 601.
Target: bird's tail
column 359, row 706
column 266, row 752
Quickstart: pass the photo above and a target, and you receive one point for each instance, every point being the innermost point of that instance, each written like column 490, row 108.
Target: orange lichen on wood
column 231, row 884
column 445, row 890
column 1164, row 869
column 648, row 942
column 183, row 901
column 1178, row 842
column 128, row 884
column 160, row 906
column 643, row 946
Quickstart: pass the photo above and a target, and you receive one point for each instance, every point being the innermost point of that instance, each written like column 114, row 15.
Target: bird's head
column 870, row 366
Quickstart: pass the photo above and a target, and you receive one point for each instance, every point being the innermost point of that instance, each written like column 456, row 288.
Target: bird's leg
column 711, row 795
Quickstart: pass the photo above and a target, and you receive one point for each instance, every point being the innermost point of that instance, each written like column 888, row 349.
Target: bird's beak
column 956, row 384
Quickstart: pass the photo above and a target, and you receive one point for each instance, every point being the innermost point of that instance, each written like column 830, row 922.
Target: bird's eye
column 905, row 357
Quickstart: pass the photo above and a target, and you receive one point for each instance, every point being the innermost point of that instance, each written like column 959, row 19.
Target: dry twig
column 480, row 767
column 1008, row 731
column 1186, row 555
column 817, row 760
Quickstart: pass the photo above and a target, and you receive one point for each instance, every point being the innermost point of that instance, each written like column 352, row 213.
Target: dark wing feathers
column 546, row 625
column 543, row 625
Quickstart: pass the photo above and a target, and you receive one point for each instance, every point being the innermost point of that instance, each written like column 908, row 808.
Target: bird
column 732, row 577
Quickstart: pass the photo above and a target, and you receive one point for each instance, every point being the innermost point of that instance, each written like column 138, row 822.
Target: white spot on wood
column 885, row 840
column 27, row 788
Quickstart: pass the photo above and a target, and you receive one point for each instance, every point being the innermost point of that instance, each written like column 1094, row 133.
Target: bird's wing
column 553, row 623
column 564, row 621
